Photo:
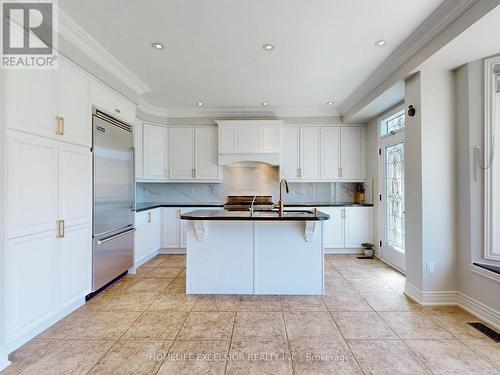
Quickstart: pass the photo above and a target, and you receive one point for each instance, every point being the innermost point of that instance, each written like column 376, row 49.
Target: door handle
column 60, row 229
column 99, row 242
column 149, row 217
column 60, row 125
column 340, row 172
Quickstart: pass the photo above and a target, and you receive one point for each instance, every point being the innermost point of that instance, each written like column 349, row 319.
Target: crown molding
column 442, row 18
column 150, row 109
column 77, row 36
column 250, row 112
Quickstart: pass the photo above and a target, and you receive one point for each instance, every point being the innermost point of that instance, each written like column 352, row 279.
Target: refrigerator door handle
column 99, row 242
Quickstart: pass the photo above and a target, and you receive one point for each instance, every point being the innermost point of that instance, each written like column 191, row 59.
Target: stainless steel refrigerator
column 114, row 198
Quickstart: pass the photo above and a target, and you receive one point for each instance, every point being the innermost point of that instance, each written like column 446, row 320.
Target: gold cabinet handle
column 60, row 125
column 193, row 173
column 117, row 110
column 340, row 172
column 60, row 228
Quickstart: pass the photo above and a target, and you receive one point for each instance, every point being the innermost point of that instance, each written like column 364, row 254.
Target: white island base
column 255, row 257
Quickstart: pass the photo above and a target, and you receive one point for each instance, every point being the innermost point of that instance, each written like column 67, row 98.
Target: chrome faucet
column 280, row 205
column 251, row 206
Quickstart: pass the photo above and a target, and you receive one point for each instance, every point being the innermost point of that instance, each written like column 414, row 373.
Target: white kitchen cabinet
column 75, row 264
column 147, row 237
column 309, row 153
column 32, row 198
column 333, row 229
column 352, row 153
column 357, row 226
column 74, row 184
column 330, row 152
column 290, row 155
column 154, row 152
column 181, row 154
column 249, row 136
column 138, row 150
column 32, row 287
column 206, row 163
column 31, row 101
column 170, row 228
column 193, row 154
column 110, row 101
column 74, row 110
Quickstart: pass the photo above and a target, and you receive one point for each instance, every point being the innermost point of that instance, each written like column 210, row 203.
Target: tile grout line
column 288, row 341
column 231, row 337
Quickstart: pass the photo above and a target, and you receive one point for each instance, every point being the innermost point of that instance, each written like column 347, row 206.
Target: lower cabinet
column 45, row 275
column 174, row 230
column 147, row 235
column 347, row 228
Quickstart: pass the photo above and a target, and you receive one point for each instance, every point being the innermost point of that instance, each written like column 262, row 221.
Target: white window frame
column 492, row 111
column 389, row 116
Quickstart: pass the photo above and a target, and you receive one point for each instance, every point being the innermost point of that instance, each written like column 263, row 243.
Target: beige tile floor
column 146, row 324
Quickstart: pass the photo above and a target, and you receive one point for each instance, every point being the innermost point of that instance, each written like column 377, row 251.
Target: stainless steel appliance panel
column 113, row 176
column 113, row 255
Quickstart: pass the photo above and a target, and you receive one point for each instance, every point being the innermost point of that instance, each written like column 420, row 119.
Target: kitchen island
column 239, row 252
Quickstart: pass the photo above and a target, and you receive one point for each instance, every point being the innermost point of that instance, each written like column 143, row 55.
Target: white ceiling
column 324, row 49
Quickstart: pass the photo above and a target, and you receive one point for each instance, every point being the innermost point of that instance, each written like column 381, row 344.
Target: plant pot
column 368, row 253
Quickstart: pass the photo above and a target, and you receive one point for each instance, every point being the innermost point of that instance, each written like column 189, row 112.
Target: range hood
column 249, row 141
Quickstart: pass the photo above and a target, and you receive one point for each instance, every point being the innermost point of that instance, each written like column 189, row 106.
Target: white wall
column 470, row 107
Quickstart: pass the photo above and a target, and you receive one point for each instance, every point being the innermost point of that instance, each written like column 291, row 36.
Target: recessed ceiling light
column 265, row 104
column 268, row 47
column 199, row 104
column 380, row 43
column 157, row 45
column 329, row 103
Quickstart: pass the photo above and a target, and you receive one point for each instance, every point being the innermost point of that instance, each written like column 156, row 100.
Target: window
column 489, row 160
column 392, row 124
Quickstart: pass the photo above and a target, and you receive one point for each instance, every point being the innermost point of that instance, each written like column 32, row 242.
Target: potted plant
column 369, row 249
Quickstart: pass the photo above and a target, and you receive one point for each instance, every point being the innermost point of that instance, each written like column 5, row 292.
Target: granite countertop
column 144, row 206
column 305, row 215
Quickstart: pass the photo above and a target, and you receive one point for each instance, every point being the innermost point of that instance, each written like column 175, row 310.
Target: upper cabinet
column 108, row 100
column 50, row 103
column 328, row 153
column 249, row 140
column 139, row 173
column 154, row 152
column 193, row 154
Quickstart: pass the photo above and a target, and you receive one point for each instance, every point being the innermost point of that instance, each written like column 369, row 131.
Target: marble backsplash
column 259, row 178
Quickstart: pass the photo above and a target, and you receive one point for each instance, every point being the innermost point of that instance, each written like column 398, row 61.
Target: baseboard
column 139, row 262
column 23, row 339
column 454, row 298
column 343, row 251
column 4, row 360
column 165, row 251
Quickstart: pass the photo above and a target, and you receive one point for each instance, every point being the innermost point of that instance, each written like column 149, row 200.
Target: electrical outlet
column 430, row 267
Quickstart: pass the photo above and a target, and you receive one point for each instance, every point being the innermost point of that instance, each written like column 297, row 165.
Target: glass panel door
column 392, row 208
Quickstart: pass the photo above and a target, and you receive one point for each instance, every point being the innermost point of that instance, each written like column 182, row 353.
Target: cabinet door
column 170, row 228
column 309, row 153
column 154, row 230
column 289, row 167
column 74, row 184
column 75, row 264
column 270, row 138
column 207, row 167
column 352, row 153
column 31, row 101
column 181, row 155
column 73, row 105
column 330, row 153
column 31, row 184
column 249, row 139
column 138, row 150
column 31, row 282
column 124, row 109
column 333, row 229
column 140, row 235
column 357, row 226
column 154, row 167
column 102, row 97
column 228, row 138
column 183, row 227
